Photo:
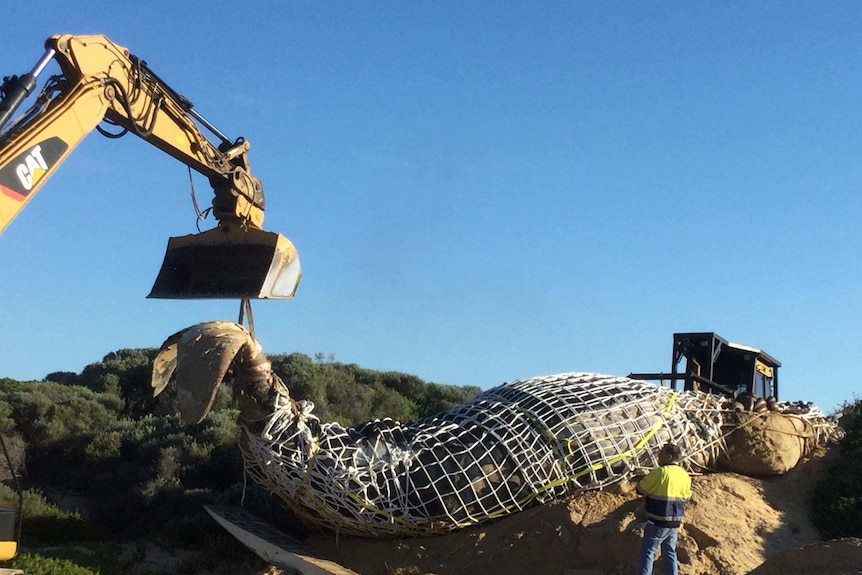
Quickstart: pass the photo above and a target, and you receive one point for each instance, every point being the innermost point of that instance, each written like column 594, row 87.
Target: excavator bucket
column 229, row 262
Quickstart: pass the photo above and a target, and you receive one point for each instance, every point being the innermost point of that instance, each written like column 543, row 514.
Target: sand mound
column 767, row 443
column 837, row 557
column 734, row 524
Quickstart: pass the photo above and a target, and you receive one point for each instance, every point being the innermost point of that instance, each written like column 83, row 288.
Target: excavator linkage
column 229, row 262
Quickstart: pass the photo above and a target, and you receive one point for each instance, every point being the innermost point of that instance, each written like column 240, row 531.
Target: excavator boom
column 102, row 82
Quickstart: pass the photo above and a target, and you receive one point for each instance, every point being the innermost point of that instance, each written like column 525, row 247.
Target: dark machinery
column 716, row 365
column 10, row 517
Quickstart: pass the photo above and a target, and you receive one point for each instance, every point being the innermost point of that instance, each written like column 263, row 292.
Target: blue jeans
column 653, row 537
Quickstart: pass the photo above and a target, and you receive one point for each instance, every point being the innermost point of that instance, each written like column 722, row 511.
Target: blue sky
column 479, row 191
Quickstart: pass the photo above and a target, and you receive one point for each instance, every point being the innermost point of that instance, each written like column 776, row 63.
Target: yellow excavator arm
column 101, row 82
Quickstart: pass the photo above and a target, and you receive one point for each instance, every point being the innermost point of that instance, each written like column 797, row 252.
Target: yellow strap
column 315, row 447
column 377, row 510
column 640, row 445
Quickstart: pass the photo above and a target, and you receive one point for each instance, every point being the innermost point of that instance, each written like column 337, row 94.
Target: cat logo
column 27, row 171
column 32, row 168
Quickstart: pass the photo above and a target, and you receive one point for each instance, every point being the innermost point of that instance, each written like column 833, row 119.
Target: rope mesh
column 511, row 447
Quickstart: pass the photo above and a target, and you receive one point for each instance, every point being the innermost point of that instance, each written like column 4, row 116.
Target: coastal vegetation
column 108, row 470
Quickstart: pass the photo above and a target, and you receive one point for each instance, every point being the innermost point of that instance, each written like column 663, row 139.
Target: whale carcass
column 511, row 447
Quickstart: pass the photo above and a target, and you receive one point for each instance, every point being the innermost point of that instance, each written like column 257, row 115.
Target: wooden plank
column 271, row 544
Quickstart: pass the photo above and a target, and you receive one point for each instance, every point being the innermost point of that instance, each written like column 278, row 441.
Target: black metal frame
column 702, row 351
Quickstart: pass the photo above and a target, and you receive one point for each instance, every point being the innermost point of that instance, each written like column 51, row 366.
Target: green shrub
column 44, row 522
column 837, row 498
column 126, row 374
column 437, row 397
column 51, row 413
column 38, row 565
column 386, row 402
column 105, row 445
column 8, row 384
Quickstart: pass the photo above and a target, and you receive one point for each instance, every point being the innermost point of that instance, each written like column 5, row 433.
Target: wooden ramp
column 271, row 544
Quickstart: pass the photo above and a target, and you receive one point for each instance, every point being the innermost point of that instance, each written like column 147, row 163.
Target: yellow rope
column 377, row 510
column 640, row 445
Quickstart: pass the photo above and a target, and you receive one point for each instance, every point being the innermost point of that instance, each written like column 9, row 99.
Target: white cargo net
column 511, row 447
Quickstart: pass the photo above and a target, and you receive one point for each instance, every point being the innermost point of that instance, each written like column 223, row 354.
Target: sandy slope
column 734, row 524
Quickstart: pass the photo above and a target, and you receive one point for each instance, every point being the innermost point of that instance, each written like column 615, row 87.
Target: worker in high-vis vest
column 667, row 489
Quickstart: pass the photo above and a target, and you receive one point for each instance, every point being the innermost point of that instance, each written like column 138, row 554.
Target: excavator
column 101, row 82
column 102, row 86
